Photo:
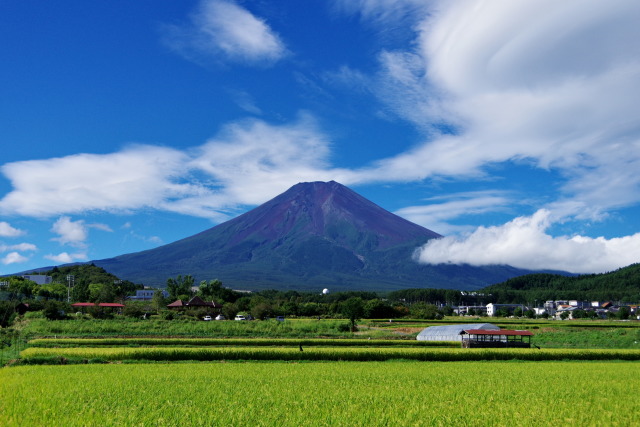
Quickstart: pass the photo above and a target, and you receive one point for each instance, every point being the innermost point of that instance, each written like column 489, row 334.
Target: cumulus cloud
column 65, row 257
column 6, row 230
column 525, row 243
column 223, row 29
column 70, row 232
column 13, row 258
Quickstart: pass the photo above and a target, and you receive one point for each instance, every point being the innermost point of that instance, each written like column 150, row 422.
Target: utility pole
column 70, row 282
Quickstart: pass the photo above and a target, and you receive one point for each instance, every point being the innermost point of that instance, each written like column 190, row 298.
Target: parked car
column 280, row 318
column 240, row 317
column 207, row 317
column 220, row 317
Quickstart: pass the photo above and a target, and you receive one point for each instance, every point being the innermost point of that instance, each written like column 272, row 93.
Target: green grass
column 125, row 327
column 331, row 394
column 588, row 338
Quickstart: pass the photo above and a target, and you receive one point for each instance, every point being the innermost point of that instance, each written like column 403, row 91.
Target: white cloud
column 247, row 163
column 6, row 230
column 223, row 28
column 134, row 178
column 555, row 85
column 14, row 258
column 524, row 243
column 70, row 232
column 384, row 12
column 440, row 210
column 245, row 101
column 19, row 247
column 253, row 161
column 102, row 227
column 65, row 258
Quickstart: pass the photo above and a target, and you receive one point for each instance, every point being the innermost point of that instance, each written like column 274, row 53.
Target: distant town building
column 146, row 295
column 40, row 279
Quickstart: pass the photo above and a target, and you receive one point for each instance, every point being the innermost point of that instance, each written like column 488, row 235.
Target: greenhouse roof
column 451, row 332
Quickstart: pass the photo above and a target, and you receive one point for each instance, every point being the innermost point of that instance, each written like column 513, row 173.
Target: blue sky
column 509, row 127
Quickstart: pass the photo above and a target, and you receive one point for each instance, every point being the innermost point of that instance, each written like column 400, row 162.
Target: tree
column 261, row 311
column 157, row 302
column 579, row 314
column 230, row 310
column 7, row 313
column 623, row 313
column 180, row 287
column 54, row 310
column 211, row 290
column 425, row 311
column 352, row 309
column 377, row 309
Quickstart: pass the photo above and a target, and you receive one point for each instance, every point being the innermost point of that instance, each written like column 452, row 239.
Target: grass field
column 311, row 394
column 547, row 334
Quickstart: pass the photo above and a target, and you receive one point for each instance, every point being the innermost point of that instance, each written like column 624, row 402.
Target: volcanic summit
column 314, row 235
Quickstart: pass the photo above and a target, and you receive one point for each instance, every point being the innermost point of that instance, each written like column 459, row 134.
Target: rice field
column 316, row 394
column 111, row 342
column 36, row 355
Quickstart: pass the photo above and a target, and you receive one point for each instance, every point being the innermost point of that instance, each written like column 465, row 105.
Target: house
column 194, row 303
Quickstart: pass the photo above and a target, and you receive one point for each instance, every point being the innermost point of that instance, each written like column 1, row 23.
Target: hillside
column 619, row 285
column 314, row 235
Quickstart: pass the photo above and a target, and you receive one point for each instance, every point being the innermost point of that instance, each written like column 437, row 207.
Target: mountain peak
column 315, row 234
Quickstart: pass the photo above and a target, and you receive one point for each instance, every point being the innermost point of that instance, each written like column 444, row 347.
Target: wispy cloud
column 247, row 163
column 223, row 30
column 438, row 213
column 518, row 80
column 525, row 243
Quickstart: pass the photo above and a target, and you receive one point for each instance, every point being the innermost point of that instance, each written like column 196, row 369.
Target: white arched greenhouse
column 450, row 332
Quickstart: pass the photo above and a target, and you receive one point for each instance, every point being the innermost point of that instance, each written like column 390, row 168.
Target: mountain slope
column 313, row 235
column 620, row 285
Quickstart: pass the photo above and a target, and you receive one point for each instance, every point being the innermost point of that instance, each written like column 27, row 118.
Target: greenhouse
column 450, row 332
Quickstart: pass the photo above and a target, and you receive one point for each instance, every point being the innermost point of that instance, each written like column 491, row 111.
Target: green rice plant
column 325, row 353
column 273, row 342
column 311, row 394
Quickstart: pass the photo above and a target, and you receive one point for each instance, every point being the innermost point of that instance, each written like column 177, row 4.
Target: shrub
column 54, row 310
